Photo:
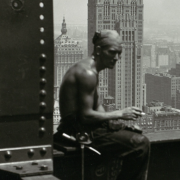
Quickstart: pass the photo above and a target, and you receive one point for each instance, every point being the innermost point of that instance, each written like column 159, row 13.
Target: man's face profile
column 111, row 53
column 109, row 47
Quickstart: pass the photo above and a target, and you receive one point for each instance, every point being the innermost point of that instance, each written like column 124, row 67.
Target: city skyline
column 159, row 52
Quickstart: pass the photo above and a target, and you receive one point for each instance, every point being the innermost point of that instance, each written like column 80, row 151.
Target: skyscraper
column 124, row 82
column 163, row 87
column 67, row 52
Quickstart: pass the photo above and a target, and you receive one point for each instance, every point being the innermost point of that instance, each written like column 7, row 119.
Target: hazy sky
column 75, row 11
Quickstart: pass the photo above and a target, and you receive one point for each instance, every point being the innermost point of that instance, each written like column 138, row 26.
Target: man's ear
column 98, row 50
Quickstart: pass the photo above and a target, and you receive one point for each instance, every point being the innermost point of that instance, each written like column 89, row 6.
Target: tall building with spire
column 67, row 52
column 124, row 82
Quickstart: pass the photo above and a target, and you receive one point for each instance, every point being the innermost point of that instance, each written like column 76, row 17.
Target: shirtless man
column 81, row 110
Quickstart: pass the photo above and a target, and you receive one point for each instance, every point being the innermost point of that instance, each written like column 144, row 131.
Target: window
column 99, row 16
column 140, row 17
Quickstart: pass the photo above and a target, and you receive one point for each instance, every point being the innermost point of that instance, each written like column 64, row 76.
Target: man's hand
column 131, row 113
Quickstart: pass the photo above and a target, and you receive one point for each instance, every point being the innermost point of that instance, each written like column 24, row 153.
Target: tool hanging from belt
column 84, row 140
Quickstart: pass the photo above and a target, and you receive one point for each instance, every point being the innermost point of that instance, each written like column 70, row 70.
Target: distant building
column 155, row 106
column 128, row 70
column 147, row 123
column 162, row 87
column 56, row 116
column 154, row 70
column 67, row 52
column 162, row 118
column 124, row 82
column 175, row 49
column 163, row 53
column 144, row 95
column 146, row 61
column 159, row 54
column 175, row 71
column 149, row 55
column 164, row 121
column 160, row 121
column 109, row 104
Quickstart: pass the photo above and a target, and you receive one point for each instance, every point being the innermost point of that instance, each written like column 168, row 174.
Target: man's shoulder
column 84, row 73
column 83, row 69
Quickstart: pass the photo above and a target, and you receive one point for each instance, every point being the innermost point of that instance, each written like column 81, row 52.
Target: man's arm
column 87, row 83
column 99, row 108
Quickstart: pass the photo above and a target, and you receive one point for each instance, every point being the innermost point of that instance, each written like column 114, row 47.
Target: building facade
column 175, row 71
column 149, row 55
column 128, row 71
column 109, row 104
column 162, row 87
column 144, row 95
column 163, row 53
column 166, row 121
column 124, row 82
column 56, row 116
column 67, row 52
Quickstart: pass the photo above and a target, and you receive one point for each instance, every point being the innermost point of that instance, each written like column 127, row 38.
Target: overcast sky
column 75, row 11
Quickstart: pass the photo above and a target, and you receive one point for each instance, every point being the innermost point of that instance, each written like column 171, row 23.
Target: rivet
column 42, row 93
column 42, row 130
column 41, row 4
column 43, row 151
column 42, row 68
column 42, row 29
column 43, row 81
column 42, row 105
column 42, row 41
column 42, row 118
column 44, row 167
column 8, row 154
column 17, row 4
column 41, row 17
column 31, row 152
column 43, row 57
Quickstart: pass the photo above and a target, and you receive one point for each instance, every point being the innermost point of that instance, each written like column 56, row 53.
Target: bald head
column 106, row 38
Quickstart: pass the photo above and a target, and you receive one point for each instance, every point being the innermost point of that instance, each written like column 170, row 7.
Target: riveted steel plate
column 26, row 47
column 26, row 32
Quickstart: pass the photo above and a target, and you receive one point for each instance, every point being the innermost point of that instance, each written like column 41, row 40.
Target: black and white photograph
column 89, row 90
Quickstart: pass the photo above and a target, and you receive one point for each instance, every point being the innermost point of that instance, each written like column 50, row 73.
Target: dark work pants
column 134, row 149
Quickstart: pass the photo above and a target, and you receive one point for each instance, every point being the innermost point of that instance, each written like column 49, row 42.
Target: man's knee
column 141, row 142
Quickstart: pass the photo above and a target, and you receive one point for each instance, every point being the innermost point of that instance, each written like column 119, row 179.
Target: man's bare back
column 73, row 85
